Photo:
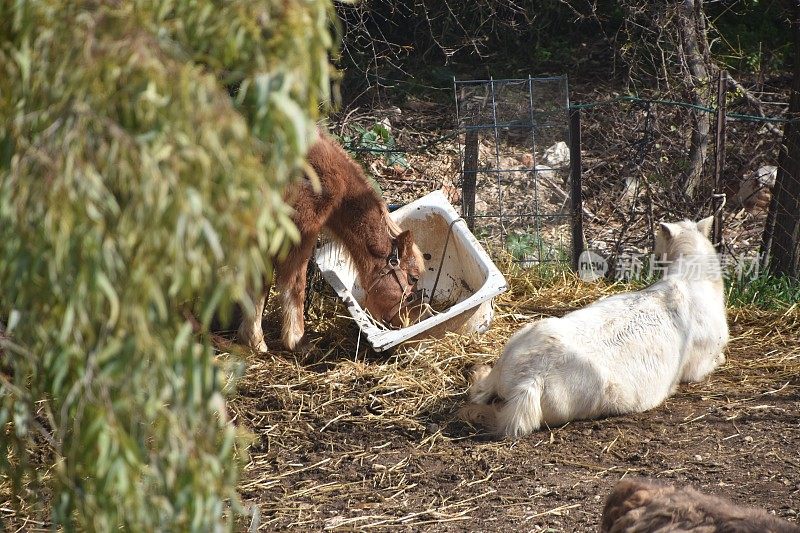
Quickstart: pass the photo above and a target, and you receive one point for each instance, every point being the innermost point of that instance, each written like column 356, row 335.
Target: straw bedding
column 348, row 439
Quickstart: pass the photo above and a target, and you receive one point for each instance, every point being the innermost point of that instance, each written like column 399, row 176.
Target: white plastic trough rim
column 495, row 283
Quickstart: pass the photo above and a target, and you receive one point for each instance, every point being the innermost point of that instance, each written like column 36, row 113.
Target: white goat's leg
column 480, row 415
column 481, row 387
column 698, row 370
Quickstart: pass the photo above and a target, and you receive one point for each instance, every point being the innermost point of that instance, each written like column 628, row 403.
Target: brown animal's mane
column 349, row 208
column 349, row 196
column 391, row 225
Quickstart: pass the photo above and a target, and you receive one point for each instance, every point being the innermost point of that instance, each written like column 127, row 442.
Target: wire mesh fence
column 515, row 165
column 638, row 160
column 635, row 160
column 641, row 161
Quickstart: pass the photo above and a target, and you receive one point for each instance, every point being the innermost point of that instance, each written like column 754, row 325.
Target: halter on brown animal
column 393, row 267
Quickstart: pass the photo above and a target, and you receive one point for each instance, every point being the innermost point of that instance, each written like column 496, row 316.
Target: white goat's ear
column 670, row 230
column 704, row 226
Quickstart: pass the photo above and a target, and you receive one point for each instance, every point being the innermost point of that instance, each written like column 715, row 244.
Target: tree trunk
column 694, row 44
column 782, row 232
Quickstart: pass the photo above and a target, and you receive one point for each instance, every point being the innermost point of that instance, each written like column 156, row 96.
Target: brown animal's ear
column 405, row 243
column 670, row 230
column 704, row 226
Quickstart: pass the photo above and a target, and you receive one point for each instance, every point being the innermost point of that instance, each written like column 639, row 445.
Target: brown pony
column 387, row 261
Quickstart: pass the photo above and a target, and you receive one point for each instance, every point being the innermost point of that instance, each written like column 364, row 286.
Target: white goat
column 622, row 354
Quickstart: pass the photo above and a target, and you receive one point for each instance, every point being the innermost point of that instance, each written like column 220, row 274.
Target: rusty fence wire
column 548, row 179
column 638, row 157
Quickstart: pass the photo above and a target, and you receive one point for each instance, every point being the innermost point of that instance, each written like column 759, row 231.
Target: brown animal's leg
column 250, row 333
column 291, row 283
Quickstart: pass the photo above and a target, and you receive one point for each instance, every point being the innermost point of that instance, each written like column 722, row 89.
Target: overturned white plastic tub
column 468, row 283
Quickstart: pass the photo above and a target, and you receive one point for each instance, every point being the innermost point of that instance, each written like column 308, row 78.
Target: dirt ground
column 350, row 440
column 362, row 442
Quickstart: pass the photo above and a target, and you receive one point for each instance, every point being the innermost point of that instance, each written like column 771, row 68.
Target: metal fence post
column 719, row 159
column 576, row 195
column 469, row 178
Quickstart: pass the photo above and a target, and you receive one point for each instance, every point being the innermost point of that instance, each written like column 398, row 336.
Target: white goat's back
column 625, row 353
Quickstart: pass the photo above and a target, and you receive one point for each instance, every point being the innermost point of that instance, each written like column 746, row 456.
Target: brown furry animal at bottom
column 641, row 506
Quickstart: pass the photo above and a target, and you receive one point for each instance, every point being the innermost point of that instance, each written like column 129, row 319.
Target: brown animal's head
column 392, row 295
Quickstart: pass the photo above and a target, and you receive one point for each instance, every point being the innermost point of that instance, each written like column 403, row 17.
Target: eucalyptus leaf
column 132, row 188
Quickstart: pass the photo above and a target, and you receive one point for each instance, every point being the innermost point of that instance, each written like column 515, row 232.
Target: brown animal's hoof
column 293, row 335
column 304, row 345
column 297, row 343
column 253, row 341
column 260, row 348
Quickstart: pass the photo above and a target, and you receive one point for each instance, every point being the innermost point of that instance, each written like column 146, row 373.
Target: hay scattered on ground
column 318, row 416
column 348, row 439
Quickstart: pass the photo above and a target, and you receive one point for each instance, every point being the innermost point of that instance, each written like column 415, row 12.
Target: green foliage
column 531, row 247
column 130, row 184
column 765, row 291
column 754, row 36
column 379, row 138
column 523, row 246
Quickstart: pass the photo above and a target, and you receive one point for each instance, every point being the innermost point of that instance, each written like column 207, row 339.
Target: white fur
column 622, row 354
column 293, row 320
